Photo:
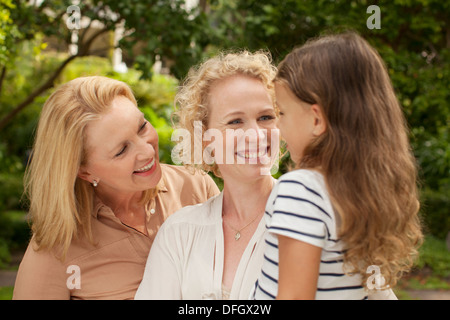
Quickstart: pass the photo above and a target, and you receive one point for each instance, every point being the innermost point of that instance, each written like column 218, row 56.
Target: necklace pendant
column 237, row 236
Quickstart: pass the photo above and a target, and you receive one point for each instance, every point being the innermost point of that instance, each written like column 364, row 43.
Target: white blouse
column 187, row 257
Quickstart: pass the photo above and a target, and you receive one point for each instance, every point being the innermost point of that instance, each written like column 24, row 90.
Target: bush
column 5, row 255
column 435, row 255
column 435, row 212
column 14, row 234
column 11, row 175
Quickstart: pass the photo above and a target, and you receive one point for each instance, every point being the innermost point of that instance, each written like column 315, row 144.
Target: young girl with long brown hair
column 351, row 207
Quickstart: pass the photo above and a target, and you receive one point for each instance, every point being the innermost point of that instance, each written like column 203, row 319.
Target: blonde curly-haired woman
column 215, row 250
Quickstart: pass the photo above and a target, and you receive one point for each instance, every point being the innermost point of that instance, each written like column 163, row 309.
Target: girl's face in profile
column 241, row 109
column 122, row 150
column 297, row 121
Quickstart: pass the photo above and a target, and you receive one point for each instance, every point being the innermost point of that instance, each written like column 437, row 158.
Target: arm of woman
column 41, row 276
column 299, row 264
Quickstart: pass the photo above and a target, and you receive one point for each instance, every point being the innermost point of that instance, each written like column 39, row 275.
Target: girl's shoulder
column 302, row 174
column 310, row 180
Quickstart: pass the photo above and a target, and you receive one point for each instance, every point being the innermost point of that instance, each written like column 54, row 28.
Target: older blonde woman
column 215, row 250
column 98, row 194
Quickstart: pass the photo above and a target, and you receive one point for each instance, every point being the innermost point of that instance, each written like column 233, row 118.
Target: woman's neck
column 120, row 203
column 127, row 208
column 243, row 200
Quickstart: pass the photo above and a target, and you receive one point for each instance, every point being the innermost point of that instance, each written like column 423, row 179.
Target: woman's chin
column 151, row 180
column 245, row 172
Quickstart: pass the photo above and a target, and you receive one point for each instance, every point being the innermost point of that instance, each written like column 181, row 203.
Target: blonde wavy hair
column 192, row 99
column 365, row 154
column 60, row 202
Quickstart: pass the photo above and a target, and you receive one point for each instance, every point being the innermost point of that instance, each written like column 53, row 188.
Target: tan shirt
column 114, row 266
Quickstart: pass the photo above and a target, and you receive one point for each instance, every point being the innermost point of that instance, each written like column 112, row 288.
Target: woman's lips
column 251, row 154
column 146, row 170
column 254, row 153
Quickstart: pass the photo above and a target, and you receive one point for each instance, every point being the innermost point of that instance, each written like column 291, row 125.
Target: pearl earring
column 95, row 183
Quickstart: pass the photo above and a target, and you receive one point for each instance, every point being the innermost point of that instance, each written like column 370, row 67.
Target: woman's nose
column 257, row 131
column 146, row 150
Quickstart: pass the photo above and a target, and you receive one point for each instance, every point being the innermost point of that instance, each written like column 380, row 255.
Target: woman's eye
column 122, row 151
column 236, row 121
column 143, row 126
column 268, row 117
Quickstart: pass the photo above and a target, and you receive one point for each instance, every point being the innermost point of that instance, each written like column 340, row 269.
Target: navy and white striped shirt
column 299, row 207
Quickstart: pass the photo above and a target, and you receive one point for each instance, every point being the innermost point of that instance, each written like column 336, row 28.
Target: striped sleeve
column 299, row 210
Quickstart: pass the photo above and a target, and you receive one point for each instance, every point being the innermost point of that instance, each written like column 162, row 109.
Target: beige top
column 186, row 259
column 113, row 267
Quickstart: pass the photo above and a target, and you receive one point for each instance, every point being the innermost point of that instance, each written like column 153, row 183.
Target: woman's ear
column 84, row 174
column 320, row 125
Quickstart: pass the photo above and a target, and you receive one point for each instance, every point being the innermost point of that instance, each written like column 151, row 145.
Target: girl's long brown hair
column 365, row 154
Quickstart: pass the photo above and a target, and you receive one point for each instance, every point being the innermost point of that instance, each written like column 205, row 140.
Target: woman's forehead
column 238, row 93
column 122, row 119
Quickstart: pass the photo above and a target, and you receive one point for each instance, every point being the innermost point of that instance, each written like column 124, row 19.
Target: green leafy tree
column 162, row 27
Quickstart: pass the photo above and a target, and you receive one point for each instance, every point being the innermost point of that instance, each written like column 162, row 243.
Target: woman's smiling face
column 241, row 108
column 122, row 150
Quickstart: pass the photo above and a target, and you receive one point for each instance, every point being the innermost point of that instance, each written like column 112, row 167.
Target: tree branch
column 2, row 77
column 47, row 85
column 83, row 50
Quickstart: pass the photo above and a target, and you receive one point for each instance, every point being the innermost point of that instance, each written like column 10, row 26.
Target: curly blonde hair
column 365, row 154
column 192, row 99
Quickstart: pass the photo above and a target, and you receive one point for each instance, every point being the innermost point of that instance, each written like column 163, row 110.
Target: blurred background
column 151, row 44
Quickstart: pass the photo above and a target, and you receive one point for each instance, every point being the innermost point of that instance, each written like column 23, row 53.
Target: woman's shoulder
column 181, row 172
column 44, row 262
column 199, row 214
column 34, row 255
column 39, row 275
column 54, row 258
column 179, row 177
column 189, row 222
